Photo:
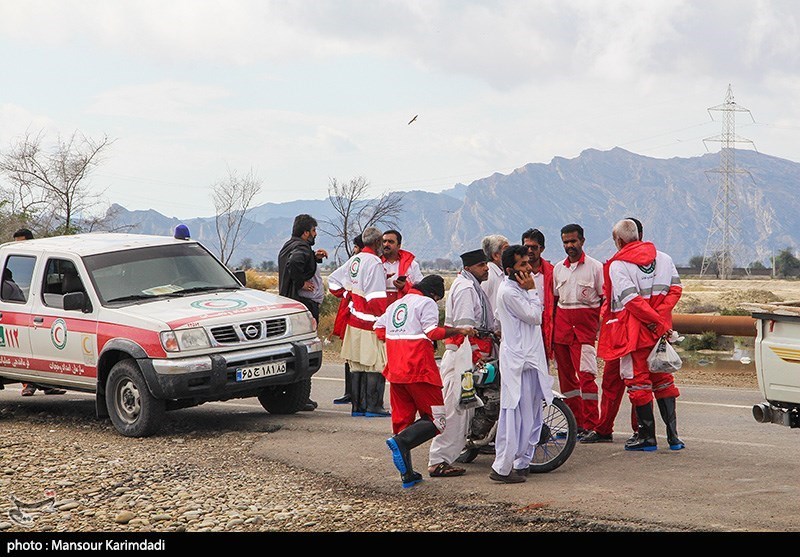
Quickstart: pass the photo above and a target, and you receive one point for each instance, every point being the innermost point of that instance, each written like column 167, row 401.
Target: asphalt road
column 734, row 475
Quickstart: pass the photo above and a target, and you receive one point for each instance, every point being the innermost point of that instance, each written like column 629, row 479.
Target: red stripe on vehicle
column 148, row 340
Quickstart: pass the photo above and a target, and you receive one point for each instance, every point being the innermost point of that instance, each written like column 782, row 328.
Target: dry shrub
column 261, row 281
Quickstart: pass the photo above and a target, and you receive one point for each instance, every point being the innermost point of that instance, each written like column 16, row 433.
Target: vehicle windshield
column 167, row 271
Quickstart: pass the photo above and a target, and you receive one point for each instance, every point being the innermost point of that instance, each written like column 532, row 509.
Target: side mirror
column 76, row 301
column 241, row 276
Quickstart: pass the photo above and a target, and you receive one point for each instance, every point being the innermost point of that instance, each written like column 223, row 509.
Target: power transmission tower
column 724, row 244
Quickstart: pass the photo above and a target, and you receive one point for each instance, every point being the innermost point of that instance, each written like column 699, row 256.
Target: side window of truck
column 17, row 276
column 60, row 277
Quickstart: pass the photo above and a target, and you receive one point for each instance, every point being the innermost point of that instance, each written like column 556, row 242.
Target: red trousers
column 577, row 384
column 643, row 385
column 613, row 389
column 407, row 399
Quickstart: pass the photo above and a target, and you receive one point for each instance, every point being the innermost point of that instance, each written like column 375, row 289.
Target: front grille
column 226, row 334
column 276, row 327
column 249, row 331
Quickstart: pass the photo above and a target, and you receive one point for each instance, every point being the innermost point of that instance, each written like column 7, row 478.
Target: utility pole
column 724, row 243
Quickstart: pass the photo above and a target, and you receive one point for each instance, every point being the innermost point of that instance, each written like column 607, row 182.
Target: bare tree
column 355, row 210
column 50, row 185
column 232, row 199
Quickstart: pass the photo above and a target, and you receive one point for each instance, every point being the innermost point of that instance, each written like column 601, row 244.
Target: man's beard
column 311, row 240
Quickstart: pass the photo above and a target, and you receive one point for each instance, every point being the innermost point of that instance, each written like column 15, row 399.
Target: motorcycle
column 559, row 429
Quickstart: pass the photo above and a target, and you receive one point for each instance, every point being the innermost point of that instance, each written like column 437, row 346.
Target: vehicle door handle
column 38, row 320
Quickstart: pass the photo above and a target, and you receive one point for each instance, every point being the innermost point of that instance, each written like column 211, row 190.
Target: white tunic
column 520, row 315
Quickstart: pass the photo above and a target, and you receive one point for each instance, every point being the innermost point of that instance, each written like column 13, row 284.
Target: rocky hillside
column 672, row 197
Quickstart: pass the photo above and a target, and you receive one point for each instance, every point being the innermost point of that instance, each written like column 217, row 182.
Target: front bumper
column 213, row 377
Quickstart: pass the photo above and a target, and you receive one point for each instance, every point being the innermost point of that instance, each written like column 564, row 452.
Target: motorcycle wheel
column 558, row 439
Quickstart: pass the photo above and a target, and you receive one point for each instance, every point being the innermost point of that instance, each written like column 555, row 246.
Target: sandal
column 444, row 470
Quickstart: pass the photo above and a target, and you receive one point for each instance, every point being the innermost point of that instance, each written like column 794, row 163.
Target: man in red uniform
column 336, row 281
column 402, row 269
column 533, row 239
column 578, row 287
column 409, row 327
column 612, row 388
column 643, row 287
column 361, row 348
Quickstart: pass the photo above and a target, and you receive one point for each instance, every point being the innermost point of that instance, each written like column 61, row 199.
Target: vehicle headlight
column 184, row 339
column 302, row 323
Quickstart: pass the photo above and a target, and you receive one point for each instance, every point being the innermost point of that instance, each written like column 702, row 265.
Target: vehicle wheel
column 468, row 455
column 558, row 439
column 285, row 399
column 132, row 409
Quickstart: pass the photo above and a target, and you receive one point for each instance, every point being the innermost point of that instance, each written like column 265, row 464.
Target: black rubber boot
column 646, row 439
column 667, row 408
column 401, row 444
column 376, row 383
column 358, row 392
column 346, row 398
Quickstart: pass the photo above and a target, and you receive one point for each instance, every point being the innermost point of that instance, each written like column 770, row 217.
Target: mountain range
column 674, row 199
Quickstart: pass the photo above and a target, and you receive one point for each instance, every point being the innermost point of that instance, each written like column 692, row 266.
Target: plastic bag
column 663, row 357
column 463, row 367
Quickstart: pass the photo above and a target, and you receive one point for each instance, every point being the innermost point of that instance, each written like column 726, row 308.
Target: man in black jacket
column 298, row 277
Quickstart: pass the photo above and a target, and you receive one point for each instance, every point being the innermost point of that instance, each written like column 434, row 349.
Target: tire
column 553, row 450
column 285, row 399
column 132, row 409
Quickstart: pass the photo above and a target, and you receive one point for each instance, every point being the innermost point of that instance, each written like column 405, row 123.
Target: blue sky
column 300, row 92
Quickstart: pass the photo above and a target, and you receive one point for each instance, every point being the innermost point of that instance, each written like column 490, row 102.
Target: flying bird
column 414, row 118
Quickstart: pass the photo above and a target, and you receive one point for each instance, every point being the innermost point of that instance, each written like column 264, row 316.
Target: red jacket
column 548, row 302
column 624, row 331
column 368, row 299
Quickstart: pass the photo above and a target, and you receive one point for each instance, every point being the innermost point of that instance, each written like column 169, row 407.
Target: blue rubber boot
column 401, row 444
column 667, row 408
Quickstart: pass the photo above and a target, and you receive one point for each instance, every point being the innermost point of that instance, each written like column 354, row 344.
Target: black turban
column 473, row 257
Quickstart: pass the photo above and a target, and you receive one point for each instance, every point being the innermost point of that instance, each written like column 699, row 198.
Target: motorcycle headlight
column 301, row 323
column 184, row 339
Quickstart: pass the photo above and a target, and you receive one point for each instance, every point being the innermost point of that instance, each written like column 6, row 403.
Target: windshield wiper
column 132, row 298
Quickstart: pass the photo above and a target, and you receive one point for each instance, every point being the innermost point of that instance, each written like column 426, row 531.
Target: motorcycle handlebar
column 486, row 333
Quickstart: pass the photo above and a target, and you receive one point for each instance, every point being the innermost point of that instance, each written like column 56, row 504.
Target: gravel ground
column 205, row 482
column 201, row 481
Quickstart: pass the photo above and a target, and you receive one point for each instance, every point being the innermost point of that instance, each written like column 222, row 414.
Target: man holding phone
column 524, row 380
column 402, row 269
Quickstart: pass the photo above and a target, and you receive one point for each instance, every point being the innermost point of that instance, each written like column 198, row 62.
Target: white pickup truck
column 777, row 351
column 148, row 324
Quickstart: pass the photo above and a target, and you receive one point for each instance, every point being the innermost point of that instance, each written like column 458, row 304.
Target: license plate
column 257, row 372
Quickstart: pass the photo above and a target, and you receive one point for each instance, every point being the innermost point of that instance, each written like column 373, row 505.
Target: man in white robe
column 524, row 377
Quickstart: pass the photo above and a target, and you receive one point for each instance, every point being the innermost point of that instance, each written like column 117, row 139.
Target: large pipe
column 730, row 325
